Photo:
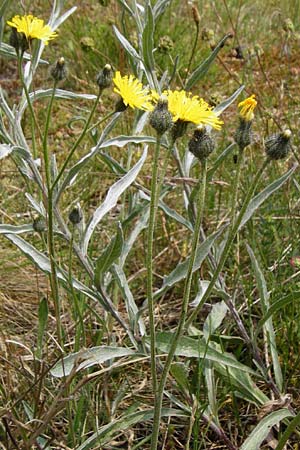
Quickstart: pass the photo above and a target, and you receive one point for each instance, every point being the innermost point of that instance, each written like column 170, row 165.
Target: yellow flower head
column 132, row 92
column 32, row 28
column 187, row 108
column 247, row 107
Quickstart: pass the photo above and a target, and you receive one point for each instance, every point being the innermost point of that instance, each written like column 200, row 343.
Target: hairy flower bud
column 105, row 76
column 178, row 129
column 243, row 134
column 278, row 145
column 39, row 224
column 201, row 144
column 160, row 117
column 59, row 71
column 18, row 41
column 76, row 215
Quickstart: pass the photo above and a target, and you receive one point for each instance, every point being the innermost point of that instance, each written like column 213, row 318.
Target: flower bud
column 201, row 144
column 160, row 117
column 76, row 215
column 120, row 106
column 196, row 14
column 59, row 71
column 278, row 145
column 243, row 135
column 39, row 224
column 105, row 76
column 18, row 41
column 178, row 129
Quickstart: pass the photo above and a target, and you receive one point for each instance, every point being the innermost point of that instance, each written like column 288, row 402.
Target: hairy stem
column 184, row 308
column 149, row 261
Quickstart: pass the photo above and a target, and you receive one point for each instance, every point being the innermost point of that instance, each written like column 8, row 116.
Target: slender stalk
column 78, row 141
column 193, row 51
column 101, row 121
column 50, row 217
column 236, row 186
column 35, row 123
column 232, row 234
column 184, row 308
column 149, row 261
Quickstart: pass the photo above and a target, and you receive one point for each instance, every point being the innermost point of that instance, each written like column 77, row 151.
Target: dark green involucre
column 278, row 145
column 201, row 144
column 105, row 77
column 59, row 70
column 161, row 118
column 243, row 135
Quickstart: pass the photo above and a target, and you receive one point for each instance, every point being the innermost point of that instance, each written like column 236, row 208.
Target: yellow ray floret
column 183, row 106
column 247, row 107
column 32, row 28
column 132, row 92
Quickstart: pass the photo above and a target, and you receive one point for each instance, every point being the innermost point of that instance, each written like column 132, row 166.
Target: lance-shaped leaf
column 109, row 256
column 111, row 199
column 198, row 348
column 205, row 65
column 264, row 195
column 261, row 431
column 180, row 271
column 88, row 358
column 105, row 433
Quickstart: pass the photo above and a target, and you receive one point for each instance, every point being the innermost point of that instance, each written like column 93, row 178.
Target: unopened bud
column 105, row 76
column 178, row 129
column 160, row 117
column 59, row 71
column 76, row 215
column 18, row 41
column 120, row 106
column 278, row 145
column 196, row 14
column 243, row 135
column 201, row 144
column 39, row 224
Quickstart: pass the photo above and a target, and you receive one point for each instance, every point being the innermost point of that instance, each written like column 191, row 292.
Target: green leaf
column 261, row 431
column 127, row 46
column 288, row 432
column 9, row 51
column 224, row 105
column 159, row 7
column 104, row 434
column 264, row 195
column 111, row 199
column 221, row 158
column 121, row 141
column 243, row 383
column 88, row 358
column 180, row 373
column 131, row 307
column 147, row 40
column 205, row 65
column 198, row 348
column 275, row 307
column 180, row 271
column 269, row 329
column 214, row 319
column 15, row 229
column 109, row 256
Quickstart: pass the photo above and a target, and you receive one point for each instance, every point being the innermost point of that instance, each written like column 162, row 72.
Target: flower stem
column 193, row 51
column 78, row 141
column 184, row 308
column 232, row 234
column 50, row 217
column 149, row 261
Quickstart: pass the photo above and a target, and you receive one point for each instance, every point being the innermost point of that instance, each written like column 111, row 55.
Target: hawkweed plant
column 88, row 252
